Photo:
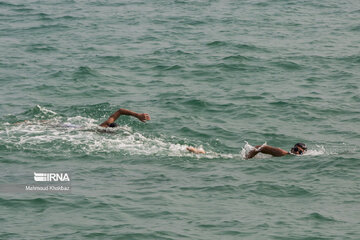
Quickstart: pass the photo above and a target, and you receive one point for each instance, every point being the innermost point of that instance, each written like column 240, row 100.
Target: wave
column 45, row 110
column 6, row 4
column 41, row 48
column 168, row 67
column 85, row 71
column 238, row 58
column 238, row 46
column 44, row 27
column 315, row 216
column 112, row 58
column 287, row 65
column 217, row 43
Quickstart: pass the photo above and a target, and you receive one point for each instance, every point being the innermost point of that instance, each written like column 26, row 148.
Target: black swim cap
column 113, row 125
column 302, row 145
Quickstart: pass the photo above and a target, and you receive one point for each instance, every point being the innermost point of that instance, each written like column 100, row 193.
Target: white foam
column 247, row 148
column 320, row 150
column 58, row 134
column 45, row 110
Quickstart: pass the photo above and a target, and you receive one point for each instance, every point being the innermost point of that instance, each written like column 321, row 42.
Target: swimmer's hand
column 195, row 150
column 143, row 117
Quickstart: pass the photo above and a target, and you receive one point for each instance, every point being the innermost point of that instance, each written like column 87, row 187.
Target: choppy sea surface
column 222, row 75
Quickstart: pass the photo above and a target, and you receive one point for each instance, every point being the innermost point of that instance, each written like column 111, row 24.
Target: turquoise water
column 221, row 75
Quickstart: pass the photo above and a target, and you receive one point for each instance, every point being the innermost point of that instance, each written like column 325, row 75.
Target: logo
column 51, row 177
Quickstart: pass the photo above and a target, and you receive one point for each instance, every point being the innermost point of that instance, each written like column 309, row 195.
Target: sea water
column 219, row 75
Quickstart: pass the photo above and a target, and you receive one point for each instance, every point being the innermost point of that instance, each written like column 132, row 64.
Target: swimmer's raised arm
column 141, row 116
column 276, row 152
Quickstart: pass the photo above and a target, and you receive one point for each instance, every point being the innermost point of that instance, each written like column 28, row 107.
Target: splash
column 247, row 148
column 82, row 134
column 45, row 110
column 319, row 150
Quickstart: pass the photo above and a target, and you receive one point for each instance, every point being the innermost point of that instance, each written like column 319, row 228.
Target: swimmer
column 110, row 122
column 298, row 149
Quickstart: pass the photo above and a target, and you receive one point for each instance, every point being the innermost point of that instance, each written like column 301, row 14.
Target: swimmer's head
column 299, row 149
column 113, row 125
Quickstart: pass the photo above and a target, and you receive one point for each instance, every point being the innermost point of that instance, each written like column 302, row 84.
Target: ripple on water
column 37, row 48
column 279, row 191
column 315, row 216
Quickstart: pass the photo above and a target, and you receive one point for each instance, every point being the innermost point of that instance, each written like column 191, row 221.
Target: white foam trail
column 81, row 134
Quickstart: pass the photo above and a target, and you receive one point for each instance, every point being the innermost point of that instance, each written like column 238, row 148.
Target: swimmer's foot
column 195, row 150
